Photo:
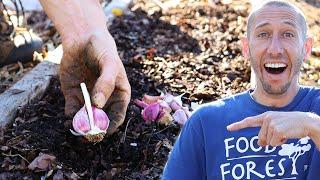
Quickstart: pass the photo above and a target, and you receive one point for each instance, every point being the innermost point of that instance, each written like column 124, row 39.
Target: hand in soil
column 98, row 65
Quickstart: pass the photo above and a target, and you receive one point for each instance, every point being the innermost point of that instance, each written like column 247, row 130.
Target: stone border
column 34, row 84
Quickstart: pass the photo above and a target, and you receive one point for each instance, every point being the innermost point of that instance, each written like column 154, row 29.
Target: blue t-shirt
column 206, row 150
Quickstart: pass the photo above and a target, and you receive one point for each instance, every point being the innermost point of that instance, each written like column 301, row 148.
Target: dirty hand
column 96, row 63
column 90, row 56
column 277, row 127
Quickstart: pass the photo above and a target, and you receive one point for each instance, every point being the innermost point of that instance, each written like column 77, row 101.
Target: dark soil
column 192, row 48
column 41, row 127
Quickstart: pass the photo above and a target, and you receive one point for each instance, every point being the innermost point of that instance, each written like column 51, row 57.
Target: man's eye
column 262, row 35
column 288, row 35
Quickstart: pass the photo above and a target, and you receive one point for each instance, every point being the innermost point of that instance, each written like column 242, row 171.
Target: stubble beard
column 267, row 86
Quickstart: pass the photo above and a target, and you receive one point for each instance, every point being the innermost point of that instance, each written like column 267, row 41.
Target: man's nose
column 275, row 47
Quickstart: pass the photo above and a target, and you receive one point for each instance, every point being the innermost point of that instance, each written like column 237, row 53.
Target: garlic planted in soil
column 175, row 102
column 159, row 109
column 180, row 117
column 90, row 122
column 151, row 112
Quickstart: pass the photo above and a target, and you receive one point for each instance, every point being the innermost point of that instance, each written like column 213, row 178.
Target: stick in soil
column 171, row 125
column 123, row 139
column 15, row 155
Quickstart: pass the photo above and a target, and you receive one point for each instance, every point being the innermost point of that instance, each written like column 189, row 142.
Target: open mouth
column 275, row 68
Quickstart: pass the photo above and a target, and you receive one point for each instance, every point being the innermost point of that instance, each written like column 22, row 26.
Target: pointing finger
column 254, row 121
column 265, row 134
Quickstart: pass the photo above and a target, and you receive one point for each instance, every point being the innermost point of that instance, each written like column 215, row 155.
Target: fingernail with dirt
column 99, row 100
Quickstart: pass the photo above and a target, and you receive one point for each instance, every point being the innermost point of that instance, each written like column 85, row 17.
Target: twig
column 152, row 133
column 171, row 125
column 15, row 155
column 123, row 139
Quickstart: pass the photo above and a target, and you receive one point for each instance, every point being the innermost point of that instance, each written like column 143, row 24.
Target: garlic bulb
column 90, row 122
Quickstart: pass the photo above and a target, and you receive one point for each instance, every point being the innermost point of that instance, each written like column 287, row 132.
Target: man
column 279, row 129
column 90, row 56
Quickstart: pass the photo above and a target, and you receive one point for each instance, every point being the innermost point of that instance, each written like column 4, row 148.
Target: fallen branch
column 15, row 155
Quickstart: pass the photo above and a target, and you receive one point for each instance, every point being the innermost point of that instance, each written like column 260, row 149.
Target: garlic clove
column 80, row 121
column 178, row 99
column 100, row 119
column 180, row 117
column 168, row 98
column 186, row 110
column 175, row 105
column 160, row 108
column 151, row 112
column 89, row 121
column 165, row 106
column 82, row 126
column 175, row 102
column 141, row 104
column 150, row 99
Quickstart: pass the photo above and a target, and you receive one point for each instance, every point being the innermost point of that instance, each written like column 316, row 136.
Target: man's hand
column 89, row 55
column 277, row 127
column 98, row 65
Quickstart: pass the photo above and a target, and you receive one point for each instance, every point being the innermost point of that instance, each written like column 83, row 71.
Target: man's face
column 276, row 48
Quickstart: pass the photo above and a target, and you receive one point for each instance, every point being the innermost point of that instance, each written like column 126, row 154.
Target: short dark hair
column 280, row 4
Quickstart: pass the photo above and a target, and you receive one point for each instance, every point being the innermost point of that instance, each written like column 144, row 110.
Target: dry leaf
column 58, row 175
column 42, row 162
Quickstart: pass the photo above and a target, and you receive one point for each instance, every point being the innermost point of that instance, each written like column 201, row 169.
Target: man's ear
column 308, row 48
column 245, row 47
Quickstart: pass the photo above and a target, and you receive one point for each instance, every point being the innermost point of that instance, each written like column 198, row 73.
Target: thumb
column 104, row 86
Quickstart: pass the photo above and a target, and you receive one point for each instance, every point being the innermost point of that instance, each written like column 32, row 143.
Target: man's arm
column 75, row 20
column 277, row 127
